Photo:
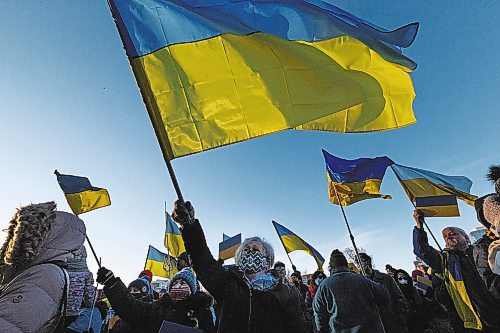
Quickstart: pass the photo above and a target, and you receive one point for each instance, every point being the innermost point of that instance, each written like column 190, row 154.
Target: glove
column 183, row 212
column 105, row 276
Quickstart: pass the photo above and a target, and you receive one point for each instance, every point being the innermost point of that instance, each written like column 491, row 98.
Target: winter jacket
column 461, row 265
column 480, row 253
column 148, row 316
column 347, row 302
column 81, row 284
column 32, row 287
column 243, row 309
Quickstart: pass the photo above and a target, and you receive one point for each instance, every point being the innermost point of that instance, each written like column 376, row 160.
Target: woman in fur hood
column 39, row 241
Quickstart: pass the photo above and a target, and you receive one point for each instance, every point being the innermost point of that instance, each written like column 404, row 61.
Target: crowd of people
column 46, row 285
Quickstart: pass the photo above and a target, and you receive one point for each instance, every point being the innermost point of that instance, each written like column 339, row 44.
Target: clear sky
column 68, row 100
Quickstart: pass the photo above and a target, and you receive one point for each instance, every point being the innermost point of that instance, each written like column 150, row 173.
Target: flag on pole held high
column 217, row 73
column 160, row 264
column 434, row 193
column 228, row 247
column 82, row 197
column 291, row 242
column 355, row 180
column 173, row 238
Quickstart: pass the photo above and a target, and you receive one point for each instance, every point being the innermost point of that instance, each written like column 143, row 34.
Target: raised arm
column 421, row 247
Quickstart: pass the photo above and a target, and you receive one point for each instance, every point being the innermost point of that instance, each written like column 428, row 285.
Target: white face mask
column 402, row 281
column 496, row 269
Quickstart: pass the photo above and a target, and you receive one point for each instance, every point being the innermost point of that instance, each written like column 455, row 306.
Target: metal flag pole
column 350, row 233
column 93, row 251
column 414, row 206
column 282, row 243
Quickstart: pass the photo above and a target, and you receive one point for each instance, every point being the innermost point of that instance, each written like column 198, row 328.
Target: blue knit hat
column 143, row 285
column 187, row 275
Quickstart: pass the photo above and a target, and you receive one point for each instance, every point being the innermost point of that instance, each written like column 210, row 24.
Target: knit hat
column 491, row 204
column 184, row 256
column 187, row 275
column 297, row 275
column 337, row 259
column 148, row 274
column 143, row 286
column 279, row 264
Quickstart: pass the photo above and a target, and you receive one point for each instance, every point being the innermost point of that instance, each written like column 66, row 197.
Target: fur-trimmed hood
column 39, row 234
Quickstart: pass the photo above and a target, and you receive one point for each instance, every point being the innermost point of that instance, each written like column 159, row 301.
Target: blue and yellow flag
column 424, row 183
column 82, row 197
column 228, row 247
column 160, row 264
column 173, row 238
column 438, row 205
column 355, row 180
column 213, row 73
column 291, row 242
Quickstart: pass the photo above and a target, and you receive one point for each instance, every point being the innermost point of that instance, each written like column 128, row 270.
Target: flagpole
column 350, row 233
column 93, row 251
column 291, row 262
column 414, row 206
column 168, row 247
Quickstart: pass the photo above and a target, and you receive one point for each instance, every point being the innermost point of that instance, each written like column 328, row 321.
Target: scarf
column 312, row 289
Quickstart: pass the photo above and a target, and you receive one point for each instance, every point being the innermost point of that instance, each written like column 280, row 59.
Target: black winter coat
column 480, row 254
column 148, row 316
column 243, row 309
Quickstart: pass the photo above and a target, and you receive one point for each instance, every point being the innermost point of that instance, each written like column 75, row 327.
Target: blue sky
column 69, row 101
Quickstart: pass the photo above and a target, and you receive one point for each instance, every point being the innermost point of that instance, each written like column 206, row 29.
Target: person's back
column 347, row 302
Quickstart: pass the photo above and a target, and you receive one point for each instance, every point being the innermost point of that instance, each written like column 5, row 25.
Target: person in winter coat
column 413, row 298
column 347, row 302
column 252, row 298
column 395, row 313
column 462, row 291
column 81, row 285
column 488, row 214
column 39, row 241
column 316, row 279
column 296, row 279
column 182, row 305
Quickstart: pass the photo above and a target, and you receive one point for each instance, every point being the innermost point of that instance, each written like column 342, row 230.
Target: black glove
column 105, row 276
column 183, row 212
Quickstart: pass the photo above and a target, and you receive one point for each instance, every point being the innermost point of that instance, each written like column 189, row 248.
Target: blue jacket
column 347, row 302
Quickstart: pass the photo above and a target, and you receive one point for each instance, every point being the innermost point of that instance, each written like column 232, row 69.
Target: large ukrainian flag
column 160, row 264
column 173, row 238
column 355, row 180
column 424, row 183
column 212, row 73
column 291, row 242
column 82, row 197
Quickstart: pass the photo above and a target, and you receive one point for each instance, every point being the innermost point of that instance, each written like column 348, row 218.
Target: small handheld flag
column 82, row 197
column 160, row 264
column 291, row 242
column 355, row 180
column 438, row 205
column 173, row 238
column 228, row 247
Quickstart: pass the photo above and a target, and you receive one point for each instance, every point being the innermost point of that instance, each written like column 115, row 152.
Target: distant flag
column 160, row 264
column 291, row 242
column 228, row 247
column 225, row 237
column 173, row 238
column 355, row 180
column 82, row 197
column 434, row 192
column 213, row 73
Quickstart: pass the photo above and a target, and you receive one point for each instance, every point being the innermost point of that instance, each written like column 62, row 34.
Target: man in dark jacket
column 348, row 302
column 395, row 313
column 252, row 298
column 468, row 295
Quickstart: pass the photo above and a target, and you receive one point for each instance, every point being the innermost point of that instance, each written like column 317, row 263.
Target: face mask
column 252, row 262
column 402, row 281
column 318, row 281
column 180, row 291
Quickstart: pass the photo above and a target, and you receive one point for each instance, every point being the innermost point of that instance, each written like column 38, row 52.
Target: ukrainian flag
column 82, row 197
column 228, row 247
column 173, row 238
column 160, row 264
column 438, row 205
column 213, row 73
column 355, row 180
column 291, row 242
column 424, row 183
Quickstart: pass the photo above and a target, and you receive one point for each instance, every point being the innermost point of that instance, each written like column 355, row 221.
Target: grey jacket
column 32, row 283
column 347, row 302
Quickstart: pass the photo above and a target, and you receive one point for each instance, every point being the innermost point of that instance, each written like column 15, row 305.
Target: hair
column 318, row 273
column 460, row 231
column 267, row 247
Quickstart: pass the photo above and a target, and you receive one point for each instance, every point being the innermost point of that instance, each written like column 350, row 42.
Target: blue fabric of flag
column 75, row 184
column 172, row 227
column 154, row 24
column 230, row 242
column 358, row 170
column 155, row 255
